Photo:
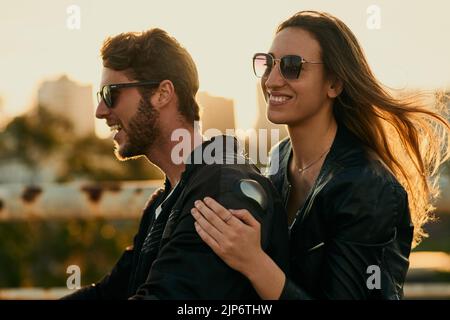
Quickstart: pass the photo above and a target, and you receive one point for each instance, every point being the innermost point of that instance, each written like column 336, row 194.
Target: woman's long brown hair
column 410, row 135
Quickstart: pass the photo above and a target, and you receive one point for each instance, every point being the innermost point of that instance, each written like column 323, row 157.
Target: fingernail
column 207, row 199
column 193, row 211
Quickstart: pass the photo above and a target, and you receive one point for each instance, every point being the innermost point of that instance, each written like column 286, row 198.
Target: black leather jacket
column 170, row 261
column 352, row 237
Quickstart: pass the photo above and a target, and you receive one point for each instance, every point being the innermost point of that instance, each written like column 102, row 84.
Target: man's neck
column 162, row 154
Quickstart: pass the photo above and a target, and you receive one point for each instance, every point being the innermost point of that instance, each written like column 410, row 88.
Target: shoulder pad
column 253, row 190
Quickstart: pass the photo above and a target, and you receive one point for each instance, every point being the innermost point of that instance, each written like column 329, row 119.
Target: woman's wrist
column 253, row 269
column 266, row 277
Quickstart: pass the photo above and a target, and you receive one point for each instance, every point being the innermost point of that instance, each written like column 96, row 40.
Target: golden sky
column 410, row 49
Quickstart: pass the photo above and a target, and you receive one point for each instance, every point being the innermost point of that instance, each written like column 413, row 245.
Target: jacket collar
column 344, row 144
column 221, row 147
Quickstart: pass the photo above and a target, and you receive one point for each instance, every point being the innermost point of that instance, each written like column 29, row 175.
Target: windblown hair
column 154, row 55
column 409, row 135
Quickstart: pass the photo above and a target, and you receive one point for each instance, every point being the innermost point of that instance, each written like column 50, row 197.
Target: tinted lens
column 290, row 67
column 106, row 95
column 99, row 97
column 262, row 64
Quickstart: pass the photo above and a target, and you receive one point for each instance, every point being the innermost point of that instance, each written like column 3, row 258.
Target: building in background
column 216, row 112
column 71, row 100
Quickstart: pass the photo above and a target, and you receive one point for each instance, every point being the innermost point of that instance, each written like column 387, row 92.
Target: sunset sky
column 410, row 50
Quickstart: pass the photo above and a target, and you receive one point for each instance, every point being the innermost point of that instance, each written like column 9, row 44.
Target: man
column 148, row 89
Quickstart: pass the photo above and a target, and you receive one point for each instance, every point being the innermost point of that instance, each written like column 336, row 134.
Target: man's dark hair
column 154, row 55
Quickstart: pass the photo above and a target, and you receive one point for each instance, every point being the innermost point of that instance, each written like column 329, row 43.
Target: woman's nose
column 274, row 79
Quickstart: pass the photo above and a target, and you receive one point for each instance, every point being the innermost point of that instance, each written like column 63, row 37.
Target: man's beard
column 142, row 132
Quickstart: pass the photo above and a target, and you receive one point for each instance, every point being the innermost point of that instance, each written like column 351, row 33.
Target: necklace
column 301, row 170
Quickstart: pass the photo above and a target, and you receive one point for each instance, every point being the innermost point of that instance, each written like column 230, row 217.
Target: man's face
column 133, row 119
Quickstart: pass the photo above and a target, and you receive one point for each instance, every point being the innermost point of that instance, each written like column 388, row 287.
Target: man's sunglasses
column 106, row 93
column 290, row 65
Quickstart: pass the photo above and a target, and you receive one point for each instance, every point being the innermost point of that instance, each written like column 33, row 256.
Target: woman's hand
column 234, row 235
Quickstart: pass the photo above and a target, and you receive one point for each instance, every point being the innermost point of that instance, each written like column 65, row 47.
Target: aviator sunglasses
column 289, row 66
column 107, row 91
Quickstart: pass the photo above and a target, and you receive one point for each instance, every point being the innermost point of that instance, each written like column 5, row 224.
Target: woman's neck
column 311, row 140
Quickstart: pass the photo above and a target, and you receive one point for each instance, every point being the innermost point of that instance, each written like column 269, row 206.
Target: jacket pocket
column 307, row 266
column 316, row 247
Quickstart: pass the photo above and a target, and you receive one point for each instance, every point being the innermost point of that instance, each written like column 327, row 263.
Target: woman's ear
column 163, row 95
column 335, row 87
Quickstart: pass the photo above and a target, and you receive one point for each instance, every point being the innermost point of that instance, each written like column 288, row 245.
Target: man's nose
column 102, row 110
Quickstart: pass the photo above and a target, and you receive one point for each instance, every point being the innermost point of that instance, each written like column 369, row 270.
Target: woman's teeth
column 279, row 99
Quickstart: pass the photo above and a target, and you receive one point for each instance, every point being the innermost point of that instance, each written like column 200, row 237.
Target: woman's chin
column 277, row 118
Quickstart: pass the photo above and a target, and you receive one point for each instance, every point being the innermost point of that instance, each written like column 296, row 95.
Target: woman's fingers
column 213, row 244
column 218, row 209
column 245, row 217
column 210, row 229
column 214, row 214
column 235, row 241
column 224, row 214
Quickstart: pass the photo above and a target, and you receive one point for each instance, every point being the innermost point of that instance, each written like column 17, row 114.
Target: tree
column 40, row 138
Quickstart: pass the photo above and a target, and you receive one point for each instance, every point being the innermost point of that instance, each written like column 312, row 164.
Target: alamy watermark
column 218, row 151
column 73, row 21
column 74, row 280
column 374, row 280
column 374, row 17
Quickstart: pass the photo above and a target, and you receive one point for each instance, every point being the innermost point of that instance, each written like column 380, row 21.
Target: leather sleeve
column 362, row 216
column 186, row 268
column 291, row 291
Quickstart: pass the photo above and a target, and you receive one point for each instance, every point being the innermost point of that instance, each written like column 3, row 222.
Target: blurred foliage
column 446, row 168
column 438, row 234
column 31, row 138
column 37, row 253
column 40, row 138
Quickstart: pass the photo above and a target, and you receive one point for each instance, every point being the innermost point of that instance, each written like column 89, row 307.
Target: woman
column 357, row 173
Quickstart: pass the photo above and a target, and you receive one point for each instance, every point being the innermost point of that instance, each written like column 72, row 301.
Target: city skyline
column 407, row 51
column 66, row 97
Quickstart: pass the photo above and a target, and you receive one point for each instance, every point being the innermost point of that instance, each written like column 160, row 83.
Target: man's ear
column 335, row 87
column 163, row 95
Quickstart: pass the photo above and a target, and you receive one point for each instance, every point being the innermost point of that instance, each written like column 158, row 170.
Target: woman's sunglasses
column 290, row 65
column 106, row 93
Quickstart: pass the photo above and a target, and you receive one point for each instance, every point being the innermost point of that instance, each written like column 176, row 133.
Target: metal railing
column 78, row 199
column 123, row 199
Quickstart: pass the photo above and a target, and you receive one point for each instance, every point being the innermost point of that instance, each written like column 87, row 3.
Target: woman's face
column 293, row 102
